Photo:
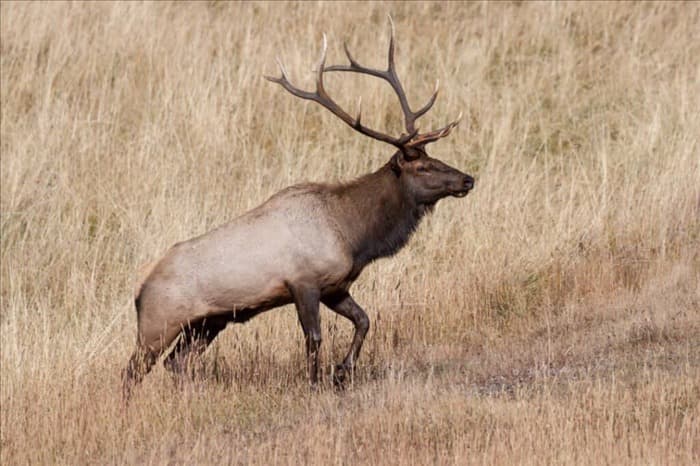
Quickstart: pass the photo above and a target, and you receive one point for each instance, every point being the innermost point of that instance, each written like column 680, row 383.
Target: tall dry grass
column 550, row 317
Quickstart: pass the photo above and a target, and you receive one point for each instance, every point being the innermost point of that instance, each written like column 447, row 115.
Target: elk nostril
column 468, row 182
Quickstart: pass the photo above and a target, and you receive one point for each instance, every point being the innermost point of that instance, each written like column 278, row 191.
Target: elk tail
column 143, row 274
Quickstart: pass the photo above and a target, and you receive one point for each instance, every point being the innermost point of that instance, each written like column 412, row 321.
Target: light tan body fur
column 245, row 264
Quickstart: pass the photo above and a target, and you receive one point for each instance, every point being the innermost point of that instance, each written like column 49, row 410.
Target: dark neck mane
column 381, row 215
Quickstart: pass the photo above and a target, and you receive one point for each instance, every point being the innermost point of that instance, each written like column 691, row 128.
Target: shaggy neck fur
column 383, row 215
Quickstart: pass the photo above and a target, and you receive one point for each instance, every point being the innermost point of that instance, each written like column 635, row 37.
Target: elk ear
column 397, row 161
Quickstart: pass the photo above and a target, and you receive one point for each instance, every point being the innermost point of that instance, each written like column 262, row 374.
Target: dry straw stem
column 550, row 317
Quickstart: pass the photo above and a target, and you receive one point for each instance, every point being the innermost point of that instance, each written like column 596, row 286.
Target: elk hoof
column 341, row 376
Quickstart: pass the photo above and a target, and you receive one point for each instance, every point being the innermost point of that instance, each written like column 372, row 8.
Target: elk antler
column 406, row 140
column 324, row 99
column 392, row 78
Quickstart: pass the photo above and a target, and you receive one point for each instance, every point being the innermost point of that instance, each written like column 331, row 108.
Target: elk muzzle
column 463, row 187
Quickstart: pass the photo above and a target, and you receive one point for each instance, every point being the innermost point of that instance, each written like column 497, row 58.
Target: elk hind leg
column 140, row 364
column 193, row 341
column 149, row 347
column 344, row 305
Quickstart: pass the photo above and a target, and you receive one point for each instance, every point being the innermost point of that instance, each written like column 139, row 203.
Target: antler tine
column 391, row 47
column 321, row 64
column 390, row 76
column 281, row 65
column 430, row 103
column 284, row 82
column 433, row 136
column 347, row 54
column 359, row 110
column 321, row 96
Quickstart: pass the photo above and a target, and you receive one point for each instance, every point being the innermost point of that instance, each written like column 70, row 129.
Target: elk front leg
column 344, row 305
column 307, row 301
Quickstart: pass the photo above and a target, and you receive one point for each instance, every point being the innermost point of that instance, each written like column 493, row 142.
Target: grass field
column 551, row 317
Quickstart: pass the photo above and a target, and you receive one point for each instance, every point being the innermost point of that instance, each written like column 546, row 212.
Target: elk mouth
column 464, row 187
column 460, row 193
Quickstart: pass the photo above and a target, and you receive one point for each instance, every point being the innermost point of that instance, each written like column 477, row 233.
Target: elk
column 305, row 245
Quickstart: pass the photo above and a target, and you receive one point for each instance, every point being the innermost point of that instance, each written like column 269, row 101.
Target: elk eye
column 422, row 168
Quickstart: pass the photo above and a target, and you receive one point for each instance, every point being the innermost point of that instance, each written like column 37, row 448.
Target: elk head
column 422, row 177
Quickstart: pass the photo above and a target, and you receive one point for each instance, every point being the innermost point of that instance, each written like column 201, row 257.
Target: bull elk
column 305, row 245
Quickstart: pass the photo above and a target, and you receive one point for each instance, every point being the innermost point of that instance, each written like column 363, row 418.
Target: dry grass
column 550, row 317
